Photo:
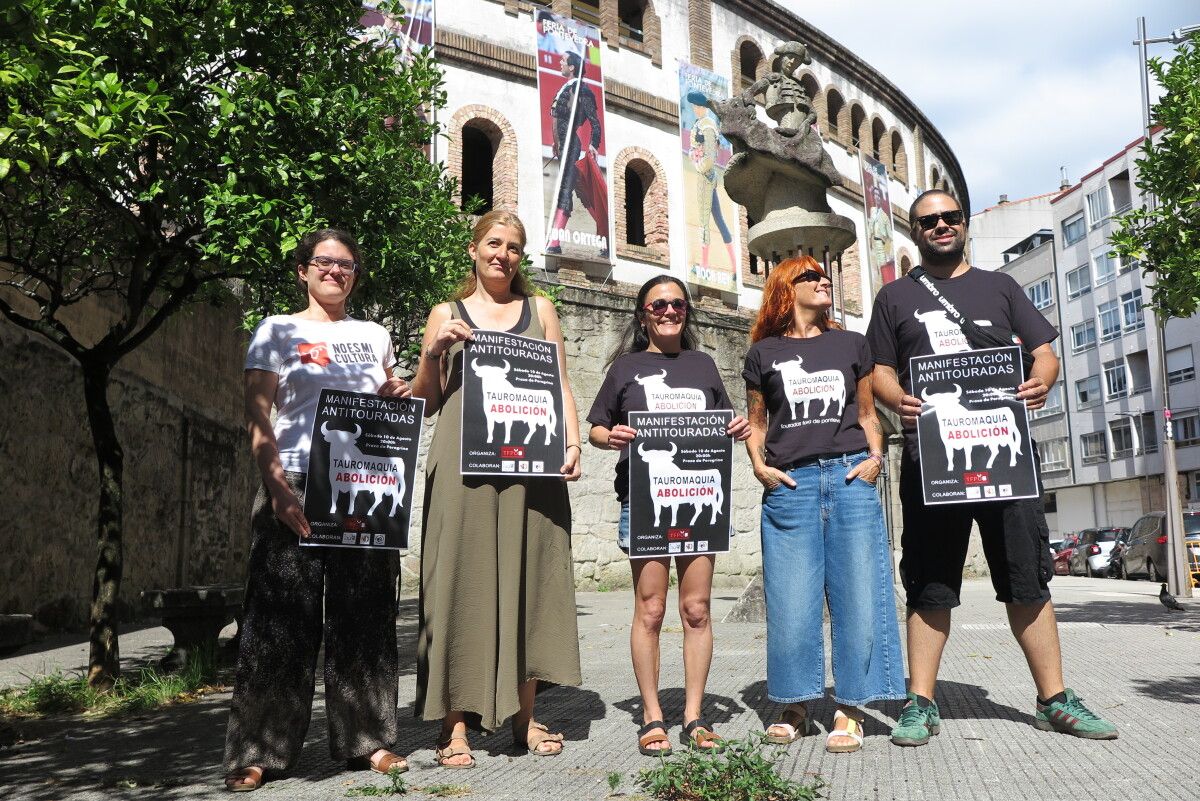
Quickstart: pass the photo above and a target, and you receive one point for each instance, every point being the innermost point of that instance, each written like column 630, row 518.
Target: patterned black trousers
column 282, row 628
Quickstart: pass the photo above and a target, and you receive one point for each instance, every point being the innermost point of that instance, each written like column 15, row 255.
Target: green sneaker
column 1072, row 717
column 916, row 724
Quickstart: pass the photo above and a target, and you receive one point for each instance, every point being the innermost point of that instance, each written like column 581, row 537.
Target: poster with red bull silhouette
column 973, row 432
column 512, row 407
column 680, row 482
column 877, row 207
column 574, row 161
column 712, row 217
column 361, row 465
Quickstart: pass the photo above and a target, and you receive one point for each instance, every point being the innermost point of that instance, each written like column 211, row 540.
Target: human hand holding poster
column 680, row 478
column 512, row 409
column 973, row 432
column 362, row 443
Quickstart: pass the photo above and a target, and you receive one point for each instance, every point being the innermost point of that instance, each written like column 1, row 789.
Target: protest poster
column 574, row 161
column 712, row 260
column 680, row 481
column 512, row 407
column 877, row 207
column 973, row 432
column 361, row 465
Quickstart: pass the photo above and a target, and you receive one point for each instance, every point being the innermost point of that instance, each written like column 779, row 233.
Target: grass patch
column 743, row 772
column 446, row 790
column 395, row 786
column 146, row 688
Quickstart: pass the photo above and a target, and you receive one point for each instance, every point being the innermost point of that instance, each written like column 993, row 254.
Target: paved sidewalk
column 1134, row 662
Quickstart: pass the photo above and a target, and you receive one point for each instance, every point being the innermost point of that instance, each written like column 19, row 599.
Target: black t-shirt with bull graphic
column 810, row 389
column 907, row 321
column 687, row 381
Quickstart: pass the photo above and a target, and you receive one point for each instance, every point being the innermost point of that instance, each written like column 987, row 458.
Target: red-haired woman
column 817, row 448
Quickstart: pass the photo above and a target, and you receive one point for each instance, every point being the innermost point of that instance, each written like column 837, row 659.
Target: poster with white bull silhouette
column 973, row 432
column 361, row 464
column 680, row 478
column 512, row 409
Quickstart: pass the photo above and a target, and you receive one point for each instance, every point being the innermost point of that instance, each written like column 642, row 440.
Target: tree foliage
column 1165, row 239
column 155, row 153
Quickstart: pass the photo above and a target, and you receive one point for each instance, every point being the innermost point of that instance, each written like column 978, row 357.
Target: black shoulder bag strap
column 977, row 336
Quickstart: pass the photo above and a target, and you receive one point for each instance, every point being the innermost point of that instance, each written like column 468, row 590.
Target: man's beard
column 932, row 256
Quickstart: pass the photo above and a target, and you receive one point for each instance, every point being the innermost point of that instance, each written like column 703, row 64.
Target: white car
column 1095, row 548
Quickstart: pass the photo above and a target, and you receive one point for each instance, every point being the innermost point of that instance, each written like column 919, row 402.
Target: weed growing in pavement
column 395, row 787
column 146, row 688
column 743, row 772
column 446, row 790
column 614, row 781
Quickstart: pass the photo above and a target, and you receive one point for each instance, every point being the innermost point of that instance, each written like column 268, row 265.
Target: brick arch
column 760, row 67
column 812, row 88
column 655, row 208
column 860, row 126
column 904, row 261
column 837, row 116
column 935, row 177
column 899, row 161
column 500, row 133
column 881, row 144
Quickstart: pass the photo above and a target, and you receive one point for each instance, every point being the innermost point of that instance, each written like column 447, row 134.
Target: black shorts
column 1016, row 544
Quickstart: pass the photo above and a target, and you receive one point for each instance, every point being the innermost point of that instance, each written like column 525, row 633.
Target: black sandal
column 698, row 734
column 646, row 739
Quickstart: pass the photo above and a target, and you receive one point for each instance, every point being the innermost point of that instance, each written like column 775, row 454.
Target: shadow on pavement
column 754, row 696
column 1179, row 689
column 966, row 701
column 1109, row 612
column 716, row 709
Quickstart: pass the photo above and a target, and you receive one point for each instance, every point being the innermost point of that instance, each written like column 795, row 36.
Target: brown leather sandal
column 245, row 780
column 698, row 734
column 385, row 763
column 448, row 749
column 795, row 723
column 540, row 735
column 646, row 739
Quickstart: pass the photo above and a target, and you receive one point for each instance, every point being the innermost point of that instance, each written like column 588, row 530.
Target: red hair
column 779, row 297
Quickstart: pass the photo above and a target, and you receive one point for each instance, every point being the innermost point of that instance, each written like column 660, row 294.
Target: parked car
column 1114, row 556
column 1146, row 552
column 1055, row 547
column 1090, row 557
column 1062, row 561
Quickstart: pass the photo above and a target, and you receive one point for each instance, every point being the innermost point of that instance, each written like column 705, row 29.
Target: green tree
column 156, row 153
column 1166, row 238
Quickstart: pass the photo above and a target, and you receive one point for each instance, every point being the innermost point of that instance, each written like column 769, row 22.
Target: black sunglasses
column 929, row 221
column 659, row 307
column 811, row 275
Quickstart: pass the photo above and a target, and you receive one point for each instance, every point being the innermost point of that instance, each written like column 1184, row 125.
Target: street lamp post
column 1179, row 577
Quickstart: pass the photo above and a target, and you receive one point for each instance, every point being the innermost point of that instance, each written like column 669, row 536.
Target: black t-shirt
column 655, row 382
column 907, row 321
column 810, row 389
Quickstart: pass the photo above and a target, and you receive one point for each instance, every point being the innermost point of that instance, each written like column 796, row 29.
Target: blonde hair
column 520, row 284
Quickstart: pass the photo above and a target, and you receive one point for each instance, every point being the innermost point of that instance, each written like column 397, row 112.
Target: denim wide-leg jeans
column 825, row 540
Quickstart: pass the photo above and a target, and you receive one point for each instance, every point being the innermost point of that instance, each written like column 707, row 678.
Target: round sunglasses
column 659, row 307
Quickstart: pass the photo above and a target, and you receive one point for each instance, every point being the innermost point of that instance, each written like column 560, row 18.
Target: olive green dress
column 497, row 603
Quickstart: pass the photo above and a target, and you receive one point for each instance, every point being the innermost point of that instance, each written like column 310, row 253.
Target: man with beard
column 934, row 540
column 580, row 170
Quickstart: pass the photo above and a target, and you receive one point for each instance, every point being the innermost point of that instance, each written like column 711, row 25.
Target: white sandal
column 851, row 729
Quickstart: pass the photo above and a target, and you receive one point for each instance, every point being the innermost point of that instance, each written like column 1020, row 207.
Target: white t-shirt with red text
column 309, row 356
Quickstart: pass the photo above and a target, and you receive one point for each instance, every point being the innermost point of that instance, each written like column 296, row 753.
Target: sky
column 1017, row 88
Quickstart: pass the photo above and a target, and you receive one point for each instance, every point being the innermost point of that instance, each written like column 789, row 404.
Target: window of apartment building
column 1073, row 229
column 1104, row 267
column 1131, row 310
column 1118, row 187
column 1049, row 503
column 1124, row 265
column 1053, row 454
column 1087, row 391
column 1121, row 432
column 1180, row 366
column 1093, row 447
column 1054, row 402
column 1138, row 364
column 1079, row 282
column 1116, row 379
column 1109, row 315
column 1041, row 293
column 1083, row 336
column 1194, row 486
column 1187, row 427
column 1147, row 431
column 1097, row 206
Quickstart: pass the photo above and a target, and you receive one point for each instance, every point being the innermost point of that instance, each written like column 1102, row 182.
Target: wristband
column 429, row 354
column 878, row 457
column 575, row 445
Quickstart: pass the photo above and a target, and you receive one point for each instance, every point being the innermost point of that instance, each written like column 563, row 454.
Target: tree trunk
column 104, row 663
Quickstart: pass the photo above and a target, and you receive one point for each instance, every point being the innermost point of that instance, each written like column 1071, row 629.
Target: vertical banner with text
column 680, row 481
column 712, row 255
column 512, row 407
column 362, row 444
column 574, row 161
column 973, row 432
column 877, row 207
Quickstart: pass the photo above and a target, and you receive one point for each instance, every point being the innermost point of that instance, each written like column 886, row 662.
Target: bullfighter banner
column 680, row 481
column 410, row 33
column 712, row 260
column 881, row 251
column 512, row 407
column 973, row 433
column 574, row 164
column 362, row 445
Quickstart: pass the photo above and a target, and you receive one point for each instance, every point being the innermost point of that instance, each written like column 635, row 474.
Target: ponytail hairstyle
column 634, row 338
column 775, row 315
column 520, row 284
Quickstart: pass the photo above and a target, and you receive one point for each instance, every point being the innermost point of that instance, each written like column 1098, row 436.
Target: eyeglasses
column 929, row 221
column 325, row 264
column 813, row 275
column 659, row 307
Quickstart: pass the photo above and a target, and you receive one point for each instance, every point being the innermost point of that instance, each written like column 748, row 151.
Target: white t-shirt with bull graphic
column 309, row 356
